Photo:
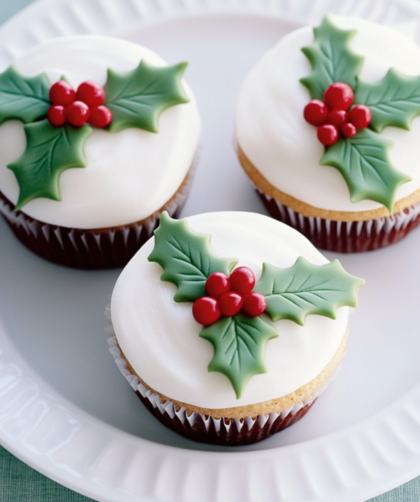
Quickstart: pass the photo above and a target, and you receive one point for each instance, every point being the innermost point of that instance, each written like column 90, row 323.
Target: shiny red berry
column 327, row 134
column 217, row 283
column 337, row 117
column 230, row 303
column 360, row 116
column 315, row 112
column 348, row 130
column 242, row 280
column 56, row 115
column 339, row 95
column 254, row 304
column 91, row 93
column 62, row 93
column 206, row 310
column 77, row 113
column 100, row 116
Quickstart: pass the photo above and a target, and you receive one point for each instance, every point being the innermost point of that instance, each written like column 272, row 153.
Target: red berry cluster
column 78, row 107
column 332, row 115
column 228, row 295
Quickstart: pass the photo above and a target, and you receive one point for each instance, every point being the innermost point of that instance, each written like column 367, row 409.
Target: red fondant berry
column 242, row 280
column 91, row 93
column 100, row 116
column 339, row 95
column 56, row 115
column 77, row 113
column 62, row 93
column 254, row 304
column 217, row 283
column 327, row 134
column 337, row 117
column 348, row 130
column 360, row 116
column 230, row 303
column 206, row 310
column 315, row 112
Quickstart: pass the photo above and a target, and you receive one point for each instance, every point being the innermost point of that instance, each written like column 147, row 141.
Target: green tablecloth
column 20, row 483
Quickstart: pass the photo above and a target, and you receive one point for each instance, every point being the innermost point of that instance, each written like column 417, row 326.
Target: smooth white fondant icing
column 130, row 174
column 275, row 137
column 160, row 338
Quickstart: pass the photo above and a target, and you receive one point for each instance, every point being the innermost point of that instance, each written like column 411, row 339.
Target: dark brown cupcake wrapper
column 206, row 428
column 88, row 248
column 342, row 236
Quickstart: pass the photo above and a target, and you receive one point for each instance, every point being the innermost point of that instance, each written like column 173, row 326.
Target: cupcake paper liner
column 346, row 236
column 206, row 428
column 89, row 248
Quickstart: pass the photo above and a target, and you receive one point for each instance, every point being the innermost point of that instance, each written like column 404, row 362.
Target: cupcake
column 98, row 137
column 327, row 132
column 229, row 325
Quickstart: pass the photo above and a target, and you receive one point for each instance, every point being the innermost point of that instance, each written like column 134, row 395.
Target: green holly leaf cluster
column 23, row 98
column 331, row 58
column 394, row 101
column 304, row 289
column 136, row 99
column 240, row 341
column 186, row 258
column 50, row 150
column 239, row 344
column 364, row 163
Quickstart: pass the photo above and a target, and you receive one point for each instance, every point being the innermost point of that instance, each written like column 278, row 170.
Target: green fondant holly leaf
column 137, row 98
column 239, row 348
column 331, row 58
column 364, row 163
column 393, row 101
column 49, row 151
column 23, row 98
column 186, row 258
column 304, row 289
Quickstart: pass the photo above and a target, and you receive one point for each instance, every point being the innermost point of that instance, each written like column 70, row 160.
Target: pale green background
column 20, row 483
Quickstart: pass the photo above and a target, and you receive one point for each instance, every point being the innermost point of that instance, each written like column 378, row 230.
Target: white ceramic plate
column 64, row 407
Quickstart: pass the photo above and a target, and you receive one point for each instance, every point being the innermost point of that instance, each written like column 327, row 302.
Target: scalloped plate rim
column 401, row 405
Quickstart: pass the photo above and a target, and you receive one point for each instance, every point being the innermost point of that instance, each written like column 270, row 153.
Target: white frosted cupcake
column 211, row 326
column 98, row 137
column 349, row 179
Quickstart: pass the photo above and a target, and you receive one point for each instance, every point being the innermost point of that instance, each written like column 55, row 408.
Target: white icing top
column 275, row 137
column 160, row 338
column 130, row 174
